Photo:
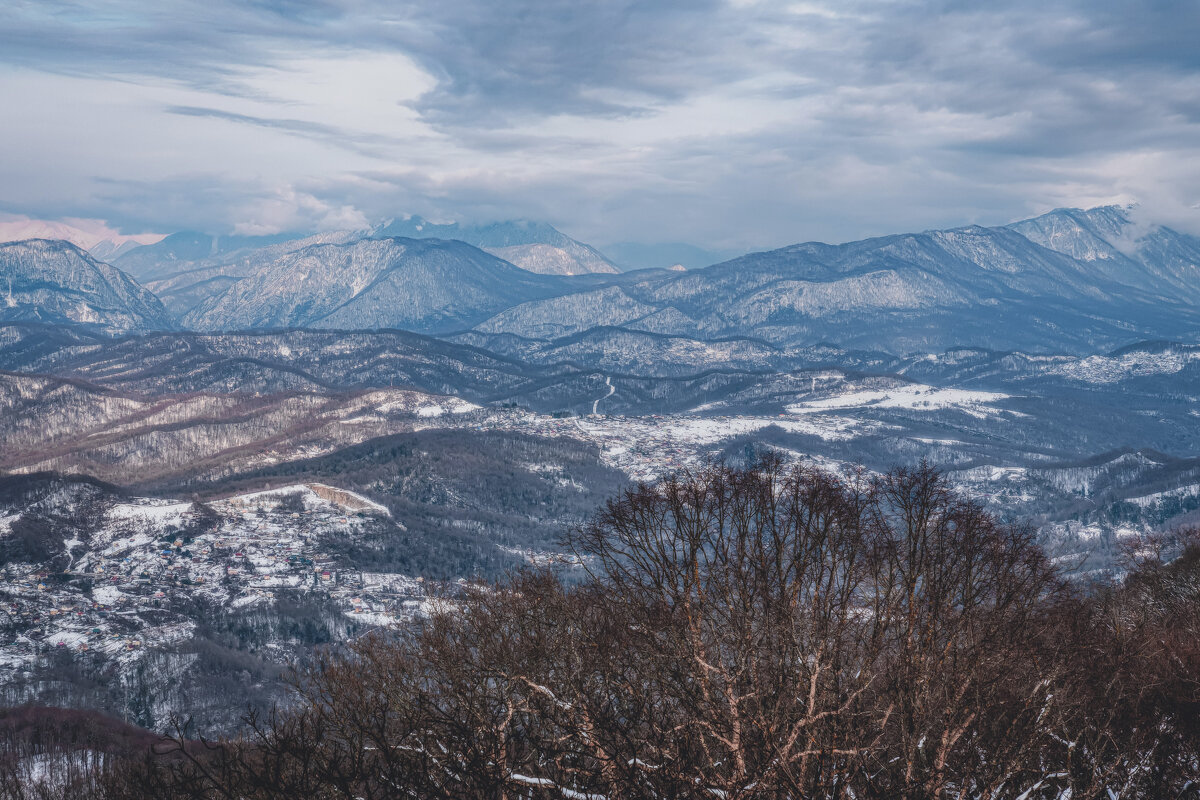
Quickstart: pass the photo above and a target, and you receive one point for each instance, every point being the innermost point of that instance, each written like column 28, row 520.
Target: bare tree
column 764, row 632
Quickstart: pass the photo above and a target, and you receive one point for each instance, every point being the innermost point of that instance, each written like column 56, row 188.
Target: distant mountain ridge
column 534, row 246
column 187, row 268
column 1154, row 257
column 92, row 235
column 54, row 281
column 425, row 285
column 905, row 293
column 1073, row 281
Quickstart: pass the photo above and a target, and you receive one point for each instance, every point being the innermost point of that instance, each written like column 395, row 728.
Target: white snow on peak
column 83, row 233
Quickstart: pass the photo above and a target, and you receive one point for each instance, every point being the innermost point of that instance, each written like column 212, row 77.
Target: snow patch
column 912, row 397
column 1114, row 369
column 156, row 513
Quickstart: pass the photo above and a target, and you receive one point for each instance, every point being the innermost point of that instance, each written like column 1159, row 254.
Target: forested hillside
column 766, row 631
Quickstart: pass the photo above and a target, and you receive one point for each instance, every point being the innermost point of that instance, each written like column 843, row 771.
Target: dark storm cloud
column 723, row 123
column 491, row 58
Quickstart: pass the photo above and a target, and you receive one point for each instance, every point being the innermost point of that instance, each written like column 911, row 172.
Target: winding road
column 611, row 391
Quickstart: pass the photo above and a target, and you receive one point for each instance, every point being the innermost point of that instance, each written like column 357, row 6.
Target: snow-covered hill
column 426, row 285
column 534, row 246
column 187, row 268
column 92, row 235
column 133, row 590
column 1121, row 249
column 53, row 281
column 988, row 287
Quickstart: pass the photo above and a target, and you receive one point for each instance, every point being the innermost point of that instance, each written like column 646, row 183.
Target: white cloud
column 741, row 124
column 85, row 233
column 292, row 210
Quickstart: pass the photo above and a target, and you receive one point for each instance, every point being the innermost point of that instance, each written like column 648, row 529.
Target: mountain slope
column 902, row 293
column 197, row 280
column 187, row 250
column 54, row 281
column 187, row 268
column 266, row 362
column 547, row 259
column 533, row 246
column 426, row 285
column 635, row 352
column 92, row 235
column 1107, row 238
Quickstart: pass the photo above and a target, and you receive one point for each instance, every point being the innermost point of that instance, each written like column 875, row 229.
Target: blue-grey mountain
column 425, row 285
column 54, row 281
column 534, row 246
column 905, row 293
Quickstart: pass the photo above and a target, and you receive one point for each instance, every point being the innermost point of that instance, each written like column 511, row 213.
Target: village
column 152, row 565
column 648, row 447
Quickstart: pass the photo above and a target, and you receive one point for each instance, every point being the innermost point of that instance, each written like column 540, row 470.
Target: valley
column 310, row 439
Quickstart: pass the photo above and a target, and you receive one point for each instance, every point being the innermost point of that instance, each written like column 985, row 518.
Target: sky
column 727, row 125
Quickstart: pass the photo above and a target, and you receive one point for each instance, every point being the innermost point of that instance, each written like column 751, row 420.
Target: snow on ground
column 544, row 558
column 455, row 406
column 915, row 397
column 1113, row 369
column 51, row 770
column 313, row 495
column 649, row 447
column 107, row 595
column 377, row 618
column 271, row 496
column 994, row 473
column 709, row 430
column 392, row 582
column 427, row 405
column 67, row 638
column 146, row 565
column 1151, row 499
column 155, row 512
column 347, row 499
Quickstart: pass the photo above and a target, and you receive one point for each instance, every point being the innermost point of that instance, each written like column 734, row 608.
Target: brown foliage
column 753, row 633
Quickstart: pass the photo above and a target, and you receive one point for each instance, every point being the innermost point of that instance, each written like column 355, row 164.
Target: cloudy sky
column 725, row 124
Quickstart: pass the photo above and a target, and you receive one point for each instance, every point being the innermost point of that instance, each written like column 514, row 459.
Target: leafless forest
column 758, row 632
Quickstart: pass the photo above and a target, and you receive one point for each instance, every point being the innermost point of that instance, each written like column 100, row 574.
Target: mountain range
column 92, row 235
column 185, row 269
column 429, row 285
column 1071, row 281
column 903, row 293
column 312, row 433
column 54, row 281
column 534, row 246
